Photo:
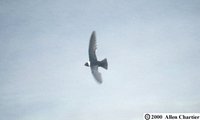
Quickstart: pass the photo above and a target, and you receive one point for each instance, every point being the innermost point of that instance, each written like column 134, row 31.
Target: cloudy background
column 152, row 47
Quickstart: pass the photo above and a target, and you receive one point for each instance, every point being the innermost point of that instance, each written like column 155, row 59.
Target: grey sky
column 152, row 49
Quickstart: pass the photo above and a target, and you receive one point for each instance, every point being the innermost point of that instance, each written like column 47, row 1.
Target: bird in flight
column 93, row 63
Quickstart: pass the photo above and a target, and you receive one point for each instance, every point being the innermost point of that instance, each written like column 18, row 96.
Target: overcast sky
column 152, row 47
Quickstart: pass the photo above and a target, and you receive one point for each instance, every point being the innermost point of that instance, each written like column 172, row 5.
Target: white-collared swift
column 93, row 62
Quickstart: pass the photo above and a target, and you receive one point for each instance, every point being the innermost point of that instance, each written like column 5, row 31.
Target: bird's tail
column 104, row 63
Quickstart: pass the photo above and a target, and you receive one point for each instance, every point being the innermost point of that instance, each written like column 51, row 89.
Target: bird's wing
column 96, row 74
column 92, row 47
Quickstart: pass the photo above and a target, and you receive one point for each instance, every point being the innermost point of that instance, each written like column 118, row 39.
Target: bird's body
column 93, row 62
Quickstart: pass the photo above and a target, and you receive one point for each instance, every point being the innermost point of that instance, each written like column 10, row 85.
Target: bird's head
column 87, row 64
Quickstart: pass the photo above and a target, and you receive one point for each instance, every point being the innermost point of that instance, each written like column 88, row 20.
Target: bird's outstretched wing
column 96, row 74
column 92, row 47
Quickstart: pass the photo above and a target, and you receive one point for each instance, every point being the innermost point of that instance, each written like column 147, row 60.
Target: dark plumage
column 93, row 62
